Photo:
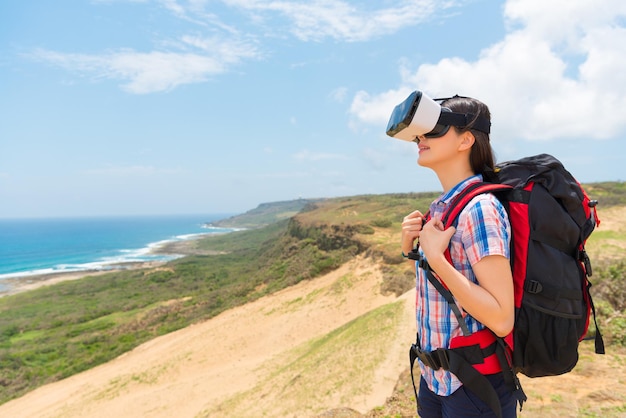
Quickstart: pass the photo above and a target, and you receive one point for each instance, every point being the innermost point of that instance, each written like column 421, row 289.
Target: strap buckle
column 533, row 286
column 414, row 255
column 586, row 261
column 437, row 359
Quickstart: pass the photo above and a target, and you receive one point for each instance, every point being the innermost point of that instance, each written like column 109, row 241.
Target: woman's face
column 440, row 150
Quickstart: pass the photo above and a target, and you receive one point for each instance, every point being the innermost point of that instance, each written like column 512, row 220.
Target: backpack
column 551, row 218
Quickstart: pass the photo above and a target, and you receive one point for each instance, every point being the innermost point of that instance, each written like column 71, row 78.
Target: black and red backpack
column 551, row 218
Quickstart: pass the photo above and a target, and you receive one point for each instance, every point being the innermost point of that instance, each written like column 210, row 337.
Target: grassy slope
column 315, row 365
column 265, row 214
column 53, row 332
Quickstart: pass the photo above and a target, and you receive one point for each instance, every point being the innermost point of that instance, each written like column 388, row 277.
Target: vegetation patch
column 59, row 330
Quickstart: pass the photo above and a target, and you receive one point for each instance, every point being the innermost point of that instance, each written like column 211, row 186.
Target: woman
column 479, row 276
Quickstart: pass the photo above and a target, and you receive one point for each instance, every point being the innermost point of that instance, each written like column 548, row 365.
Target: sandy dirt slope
column 192, row 371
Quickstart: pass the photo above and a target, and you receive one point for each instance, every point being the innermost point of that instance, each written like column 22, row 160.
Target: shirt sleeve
column 485, row 228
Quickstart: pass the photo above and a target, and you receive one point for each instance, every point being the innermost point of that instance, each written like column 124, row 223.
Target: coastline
column 184, row 247
column 13, row 285
column 18, row 284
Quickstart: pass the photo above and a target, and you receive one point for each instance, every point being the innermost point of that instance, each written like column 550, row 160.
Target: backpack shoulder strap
column 449, row 217
column 459, row 365
column 466, row 195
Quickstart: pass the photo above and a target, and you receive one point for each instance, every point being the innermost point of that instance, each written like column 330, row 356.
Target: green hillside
column 265, row 214
column 53, row 332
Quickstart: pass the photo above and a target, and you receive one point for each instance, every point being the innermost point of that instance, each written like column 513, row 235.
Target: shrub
column 381, row 223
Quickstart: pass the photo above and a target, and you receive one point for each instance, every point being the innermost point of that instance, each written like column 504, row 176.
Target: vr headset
column 420, row 115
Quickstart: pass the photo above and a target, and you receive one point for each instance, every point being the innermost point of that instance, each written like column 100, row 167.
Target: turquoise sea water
column 40, row 246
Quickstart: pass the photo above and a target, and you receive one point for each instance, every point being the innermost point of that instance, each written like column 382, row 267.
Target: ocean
column 43, row 246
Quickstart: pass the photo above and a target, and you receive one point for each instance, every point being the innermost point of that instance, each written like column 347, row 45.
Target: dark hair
column 481, row 156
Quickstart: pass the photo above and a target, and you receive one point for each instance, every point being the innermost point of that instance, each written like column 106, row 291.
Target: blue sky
column 127, row 107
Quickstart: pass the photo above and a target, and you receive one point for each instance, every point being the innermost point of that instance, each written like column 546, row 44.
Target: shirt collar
column 445, row 198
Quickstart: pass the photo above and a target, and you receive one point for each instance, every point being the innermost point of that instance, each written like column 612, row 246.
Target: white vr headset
column 419, row 115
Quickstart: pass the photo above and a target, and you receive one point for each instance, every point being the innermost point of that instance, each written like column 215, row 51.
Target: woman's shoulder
column 483, row 206
column 485, row 198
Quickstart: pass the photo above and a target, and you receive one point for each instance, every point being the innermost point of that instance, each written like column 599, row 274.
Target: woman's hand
column 490, row 300
column 434, row 240
column 411, row 228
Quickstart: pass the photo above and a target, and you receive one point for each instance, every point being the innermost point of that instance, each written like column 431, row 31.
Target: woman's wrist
column 437, row 262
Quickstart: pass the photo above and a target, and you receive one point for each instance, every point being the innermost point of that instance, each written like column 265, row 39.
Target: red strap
column 463, row 198
column 483, row 338
column 460, row 201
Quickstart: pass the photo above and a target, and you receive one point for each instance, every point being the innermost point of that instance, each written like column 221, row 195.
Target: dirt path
column 199, row 368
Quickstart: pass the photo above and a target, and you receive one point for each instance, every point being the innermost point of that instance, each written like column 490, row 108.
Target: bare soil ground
column 200, row 370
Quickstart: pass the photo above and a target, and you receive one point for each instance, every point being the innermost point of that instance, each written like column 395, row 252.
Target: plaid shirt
column 483, row 229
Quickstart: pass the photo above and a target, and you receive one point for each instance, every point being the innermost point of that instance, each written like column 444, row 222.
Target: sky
column 151, row 107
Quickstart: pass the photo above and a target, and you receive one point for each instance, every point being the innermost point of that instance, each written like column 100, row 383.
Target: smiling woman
column 464, row 265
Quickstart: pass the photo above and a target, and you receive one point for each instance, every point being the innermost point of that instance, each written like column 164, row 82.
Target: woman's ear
column 467, row 140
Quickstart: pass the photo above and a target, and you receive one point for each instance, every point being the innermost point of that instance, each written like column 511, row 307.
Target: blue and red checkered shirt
column 483, row 229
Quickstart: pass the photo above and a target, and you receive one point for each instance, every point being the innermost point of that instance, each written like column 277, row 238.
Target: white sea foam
column 104, row 264
column 123, row 256
column 191, row 236
column 217, row 228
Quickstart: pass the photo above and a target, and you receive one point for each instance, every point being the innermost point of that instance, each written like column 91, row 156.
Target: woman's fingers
column 411, row 228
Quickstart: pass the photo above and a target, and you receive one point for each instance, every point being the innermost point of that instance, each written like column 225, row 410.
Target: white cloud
column 339, row 94
column 376, row 109
column 194, row 58
column 314, row 20
column 174, row 7
column 558, row 73
column 562, row 21
column 148, row 72
column 319, row 19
